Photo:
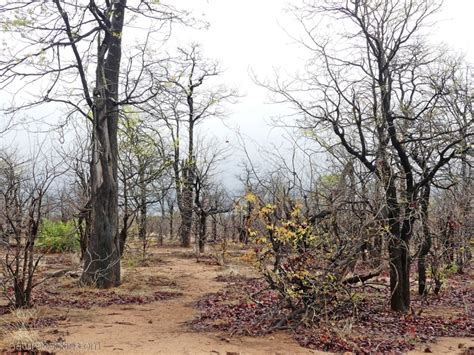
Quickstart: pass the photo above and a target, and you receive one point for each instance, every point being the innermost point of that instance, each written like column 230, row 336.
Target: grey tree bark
column 102, row 258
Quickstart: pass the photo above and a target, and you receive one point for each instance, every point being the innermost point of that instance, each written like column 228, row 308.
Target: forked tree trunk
column 102, row 259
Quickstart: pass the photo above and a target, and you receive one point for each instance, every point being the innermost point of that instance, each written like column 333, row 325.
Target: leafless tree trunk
column 102, row 259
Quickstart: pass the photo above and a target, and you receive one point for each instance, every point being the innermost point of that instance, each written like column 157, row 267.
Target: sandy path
column 158, row 328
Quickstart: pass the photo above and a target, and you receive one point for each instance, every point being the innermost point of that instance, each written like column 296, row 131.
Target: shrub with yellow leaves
column 296, row 259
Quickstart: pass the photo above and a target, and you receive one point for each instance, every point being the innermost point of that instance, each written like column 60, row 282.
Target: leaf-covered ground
column 248, row 307
column 172, row 304
column 89, row 299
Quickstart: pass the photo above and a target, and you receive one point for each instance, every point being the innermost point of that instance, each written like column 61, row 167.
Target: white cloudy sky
column 254, row 35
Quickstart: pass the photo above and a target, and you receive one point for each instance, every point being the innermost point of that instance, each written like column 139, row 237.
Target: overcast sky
column 254, row 35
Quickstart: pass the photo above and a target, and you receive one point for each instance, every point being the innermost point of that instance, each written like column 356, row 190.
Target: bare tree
column 187, row 97
column 209, row 199
column 81, row 42
column 376, row 98
column 143, row 172
column 23, row 188
column 76, row 156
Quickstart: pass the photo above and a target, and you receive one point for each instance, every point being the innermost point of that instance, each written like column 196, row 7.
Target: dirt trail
column 159, row 328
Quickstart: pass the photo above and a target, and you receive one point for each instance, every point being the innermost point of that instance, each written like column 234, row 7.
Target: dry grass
column 16, row 328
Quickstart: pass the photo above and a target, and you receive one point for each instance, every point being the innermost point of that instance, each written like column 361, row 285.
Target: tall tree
column 187, row 98
column 380, row 98
column 64, row 43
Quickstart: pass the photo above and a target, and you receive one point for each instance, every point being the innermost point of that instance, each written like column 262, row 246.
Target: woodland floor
column 159, row 310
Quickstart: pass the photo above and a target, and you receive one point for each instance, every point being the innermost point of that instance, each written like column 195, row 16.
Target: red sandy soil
column 91, row 322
